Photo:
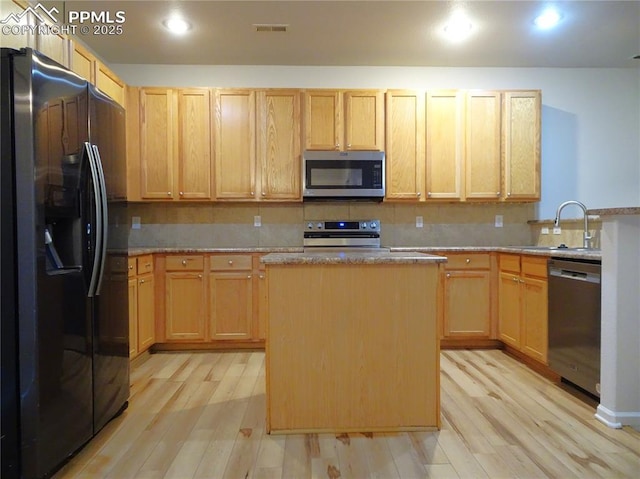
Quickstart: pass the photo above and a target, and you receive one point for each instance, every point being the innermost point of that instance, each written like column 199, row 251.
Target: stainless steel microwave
column 343, row 175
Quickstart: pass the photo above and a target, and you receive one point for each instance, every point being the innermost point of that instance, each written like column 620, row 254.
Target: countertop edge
column 631, row 210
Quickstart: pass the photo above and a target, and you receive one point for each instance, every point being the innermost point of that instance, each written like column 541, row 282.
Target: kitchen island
column 352, row 343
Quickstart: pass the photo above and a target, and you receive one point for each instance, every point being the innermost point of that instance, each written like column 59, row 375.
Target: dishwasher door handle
column 575, row 275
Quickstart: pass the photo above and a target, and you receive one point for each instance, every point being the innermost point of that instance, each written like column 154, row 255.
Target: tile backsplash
column 228, row 225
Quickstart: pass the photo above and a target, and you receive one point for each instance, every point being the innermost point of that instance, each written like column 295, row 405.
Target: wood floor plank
column 202, row 416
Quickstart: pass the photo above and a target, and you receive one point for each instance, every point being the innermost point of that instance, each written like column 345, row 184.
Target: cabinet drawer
column 131, row 267
column 510, row 262
column 534, row 266
column 145, row 264
column 184, row 263
column 231, row 262
column 468, row 261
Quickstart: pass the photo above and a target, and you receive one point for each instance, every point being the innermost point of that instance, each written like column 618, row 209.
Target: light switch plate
column 419, row 222
column 545, row 231
column 257, row 221
column 499, row 221
column 135, row 222
column 557, row 230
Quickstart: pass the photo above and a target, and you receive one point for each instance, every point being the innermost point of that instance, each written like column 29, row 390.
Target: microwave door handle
column 97, row 200
column 105, row 216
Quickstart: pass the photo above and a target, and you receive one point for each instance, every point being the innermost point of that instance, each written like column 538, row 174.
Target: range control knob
column 309, row 226
column 319, row 225
column 364, row 225
column 373, row 225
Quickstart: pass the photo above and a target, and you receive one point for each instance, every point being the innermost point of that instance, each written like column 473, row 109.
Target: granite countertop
column 370, row 257
column 633, row 210
column 575, row 253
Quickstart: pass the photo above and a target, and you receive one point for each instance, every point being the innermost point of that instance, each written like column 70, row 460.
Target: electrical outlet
column 257, row 221
column 419, row 222
column 499, row 221
column 557, row 230
column 544, row 231
column 135, row 222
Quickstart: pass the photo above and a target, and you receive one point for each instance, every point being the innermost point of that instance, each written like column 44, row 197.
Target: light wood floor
column 202, row 415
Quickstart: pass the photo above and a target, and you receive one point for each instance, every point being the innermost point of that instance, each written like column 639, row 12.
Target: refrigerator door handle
column 97, row 198
column 105, row 215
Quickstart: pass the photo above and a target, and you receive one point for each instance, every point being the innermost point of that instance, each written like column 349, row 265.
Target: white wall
column 590, row 117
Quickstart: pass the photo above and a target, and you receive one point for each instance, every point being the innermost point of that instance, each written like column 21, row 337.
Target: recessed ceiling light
column 458, row 28
column 177, row 25
column 547, row 19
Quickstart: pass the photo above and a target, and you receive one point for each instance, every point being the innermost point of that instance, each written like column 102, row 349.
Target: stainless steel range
column 341, row 235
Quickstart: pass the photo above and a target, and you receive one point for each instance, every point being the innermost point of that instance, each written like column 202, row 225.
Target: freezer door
column 53, row 313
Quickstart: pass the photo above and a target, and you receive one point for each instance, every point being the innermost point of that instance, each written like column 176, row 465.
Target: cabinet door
column 26, row 37
column 521, row 132
column 444, row 144
column 185, row 306
column 194, row 144
column 509, row 309
column 364, row 120
column 230, row 305
column 483, row 172
column 263, row 305
column 156, row 143
column 133, row 318
column 109, row 83
column 55, row 47
column 405, row 144
column 323, row 120
column 83, row 62
column 235, row 140
column 467, row 304
column 534, row 318
column 279, row 144
column 146, row 313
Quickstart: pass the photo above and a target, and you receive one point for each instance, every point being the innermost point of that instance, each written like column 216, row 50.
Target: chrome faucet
column 586, row 237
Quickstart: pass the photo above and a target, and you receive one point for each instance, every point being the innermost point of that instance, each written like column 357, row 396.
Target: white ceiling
column 375, row 33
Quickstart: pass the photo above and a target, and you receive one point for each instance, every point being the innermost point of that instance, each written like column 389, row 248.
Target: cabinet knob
column 181, row 193
column 261, row 276
column 497, row 193
column 264, row 194
column 230, row 262
column 200, row 276
column 184, row 262
column 514, row 279
column 418, row 193
column 448, row 275
column 249, row 276
column 349, row 145
column 130, row 266
column 468, row 260
column 168, row 193
column 141, row 281
column 509, row 194
column 429, row 194
column 522, row 280
column 252, row 193
column 337, row 146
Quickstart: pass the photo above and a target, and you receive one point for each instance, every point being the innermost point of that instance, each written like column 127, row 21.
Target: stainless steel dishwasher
column 574, row 321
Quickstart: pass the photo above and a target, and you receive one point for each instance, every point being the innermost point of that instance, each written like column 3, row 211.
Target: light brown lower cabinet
column 523, row 317
column 212, row 300
column 141, row 304
column 466, row 283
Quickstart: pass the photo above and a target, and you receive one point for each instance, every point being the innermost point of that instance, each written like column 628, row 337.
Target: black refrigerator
column 64, row 315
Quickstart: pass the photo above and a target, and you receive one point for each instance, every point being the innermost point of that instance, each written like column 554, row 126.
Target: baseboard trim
column 617, row 420
column 214, row 346
column 541, row 369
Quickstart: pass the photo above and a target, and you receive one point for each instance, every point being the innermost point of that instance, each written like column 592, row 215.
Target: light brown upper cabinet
column 483, row 171
column 444, row 144
column 279, row 152
column 521, row 139
column 405, row 144
column 85, row 64
column 344, row 120
column 235, row 139
column 257, row 144
column 175, row 144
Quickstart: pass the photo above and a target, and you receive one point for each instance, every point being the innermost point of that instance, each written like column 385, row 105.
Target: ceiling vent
column 269, row 27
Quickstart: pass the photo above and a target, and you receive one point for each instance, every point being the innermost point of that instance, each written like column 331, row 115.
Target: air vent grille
column 268, row 27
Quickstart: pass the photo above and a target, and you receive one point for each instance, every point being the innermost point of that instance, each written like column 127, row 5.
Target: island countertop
column 369, row 257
